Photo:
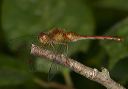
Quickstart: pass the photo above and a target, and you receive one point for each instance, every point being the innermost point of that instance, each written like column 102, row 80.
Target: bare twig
column 102, row 77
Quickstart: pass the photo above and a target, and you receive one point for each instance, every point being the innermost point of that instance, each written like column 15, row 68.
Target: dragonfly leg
column 53, row 47
column 66, row 45
column 67, row 48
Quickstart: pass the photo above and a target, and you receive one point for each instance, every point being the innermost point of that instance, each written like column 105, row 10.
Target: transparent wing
column 22, row 42
column 54, row 68
column 21, row 47
column 62, row 49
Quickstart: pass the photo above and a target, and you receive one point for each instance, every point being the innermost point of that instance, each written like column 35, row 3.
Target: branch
column 102, row 77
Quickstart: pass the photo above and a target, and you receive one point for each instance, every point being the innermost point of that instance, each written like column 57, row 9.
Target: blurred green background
column 21, row 20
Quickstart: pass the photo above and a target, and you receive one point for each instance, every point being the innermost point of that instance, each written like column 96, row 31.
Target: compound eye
column 44, row 37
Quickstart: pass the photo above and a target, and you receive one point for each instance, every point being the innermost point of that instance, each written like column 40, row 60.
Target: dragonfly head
column 43, row 38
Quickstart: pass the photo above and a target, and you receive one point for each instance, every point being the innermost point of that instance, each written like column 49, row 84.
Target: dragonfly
column 58, row 36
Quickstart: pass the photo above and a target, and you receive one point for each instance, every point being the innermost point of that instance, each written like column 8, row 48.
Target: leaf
column 117, row 50
column 31, row 16
column 120, row 71
column 12, row 71
column 113, row 4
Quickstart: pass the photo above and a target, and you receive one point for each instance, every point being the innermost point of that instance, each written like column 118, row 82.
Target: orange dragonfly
column 56, row 36
column 59, row 36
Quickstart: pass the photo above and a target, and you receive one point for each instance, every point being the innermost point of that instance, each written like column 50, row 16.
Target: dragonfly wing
column 21, row 46
column 54, row 68
column 56, row 31
column 22, row 41
column 62, row 48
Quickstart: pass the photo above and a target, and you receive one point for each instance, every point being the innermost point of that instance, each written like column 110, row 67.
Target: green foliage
column 13, row 72
column 113, row 4
column 23, row 19
column 118, row 51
